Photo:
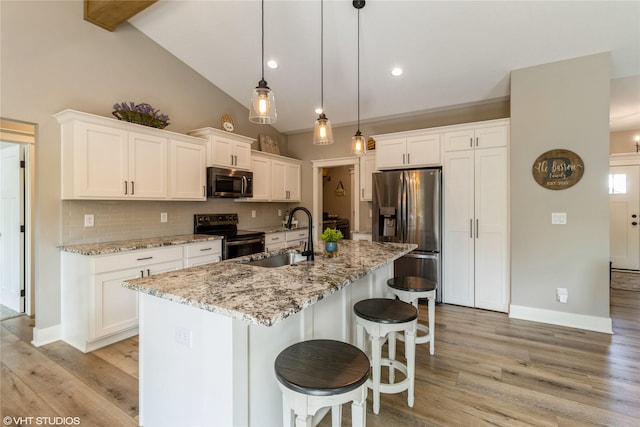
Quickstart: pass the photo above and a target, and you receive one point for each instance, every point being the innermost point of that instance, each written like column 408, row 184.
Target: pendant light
column 322, row 133
column 263, row 104
column 358, row 144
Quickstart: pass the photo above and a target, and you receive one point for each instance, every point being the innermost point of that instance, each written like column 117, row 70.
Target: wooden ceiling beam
column 108, row 14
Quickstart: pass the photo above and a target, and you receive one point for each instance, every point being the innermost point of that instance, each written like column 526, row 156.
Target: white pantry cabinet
column 108, row 159
column 225, row 149
column 95, row 309
column 475, row 242
column 407, row 149
column 275, row 178
column 367, row 167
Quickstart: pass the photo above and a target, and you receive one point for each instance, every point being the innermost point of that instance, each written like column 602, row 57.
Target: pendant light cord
column 262, row 39
column 358, row 70
column 322, row 55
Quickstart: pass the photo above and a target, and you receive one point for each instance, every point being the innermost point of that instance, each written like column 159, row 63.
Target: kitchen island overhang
column 209, row 334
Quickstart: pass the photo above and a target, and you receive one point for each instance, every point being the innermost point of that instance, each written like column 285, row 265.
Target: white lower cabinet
column 475, row 243
column 274, row 241
column 96, row 310
column 296, row 238
column 202, row 253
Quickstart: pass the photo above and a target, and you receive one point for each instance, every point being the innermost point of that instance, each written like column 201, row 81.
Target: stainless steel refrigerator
column 407, row 208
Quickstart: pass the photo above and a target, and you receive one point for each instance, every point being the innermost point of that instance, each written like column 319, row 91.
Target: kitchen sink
column 288, row 258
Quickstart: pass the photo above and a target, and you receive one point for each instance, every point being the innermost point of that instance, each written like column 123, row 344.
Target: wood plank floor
column 487, row 370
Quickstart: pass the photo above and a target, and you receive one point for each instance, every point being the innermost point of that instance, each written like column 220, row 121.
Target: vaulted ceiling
column 452, row 52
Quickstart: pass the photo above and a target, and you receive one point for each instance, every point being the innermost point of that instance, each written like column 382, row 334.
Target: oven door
column 238, row 247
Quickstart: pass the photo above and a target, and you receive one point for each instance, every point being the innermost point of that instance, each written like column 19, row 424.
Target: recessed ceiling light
column 272, row 64
column 397, row 72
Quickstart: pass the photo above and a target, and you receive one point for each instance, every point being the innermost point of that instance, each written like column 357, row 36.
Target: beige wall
column 51, row 60
column 624, row 141
column 561, row 105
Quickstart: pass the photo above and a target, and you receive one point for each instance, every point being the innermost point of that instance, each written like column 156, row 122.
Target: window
column 618, row 183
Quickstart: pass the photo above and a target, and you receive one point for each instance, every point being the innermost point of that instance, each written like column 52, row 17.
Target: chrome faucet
column 309, row 245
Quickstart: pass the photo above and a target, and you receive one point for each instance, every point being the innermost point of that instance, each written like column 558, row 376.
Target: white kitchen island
column 209, row 335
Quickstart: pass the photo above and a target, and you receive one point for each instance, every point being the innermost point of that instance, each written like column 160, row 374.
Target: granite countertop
column 265, row 296
column 135, row 244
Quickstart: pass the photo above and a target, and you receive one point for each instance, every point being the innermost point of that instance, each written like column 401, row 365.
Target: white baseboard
column 43, row 336
column 561, row 318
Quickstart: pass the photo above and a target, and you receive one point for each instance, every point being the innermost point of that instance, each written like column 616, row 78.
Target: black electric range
column 236, row 242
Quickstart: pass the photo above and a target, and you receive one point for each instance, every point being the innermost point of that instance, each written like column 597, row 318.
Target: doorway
column 17, row 155
column 624, row 212
column 351, row 163
column 337, row 205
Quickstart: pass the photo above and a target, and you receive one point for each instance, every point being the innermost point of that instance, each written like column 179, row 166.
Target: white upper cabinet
column 226, row 150
column 187, row 170
column 108, row 159
column 275, row 178
column 407, row 150
column 367, row 167
column 488, row 135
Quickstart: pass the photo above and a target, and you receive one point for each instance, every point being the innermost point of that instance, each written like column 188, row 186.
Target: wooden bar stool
column 320, row 373
column 380, row 317
column 410, row 289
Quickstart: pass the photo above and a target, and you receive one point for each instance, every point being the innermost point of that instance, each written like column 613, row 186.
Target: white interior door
column 11, row 245
column 624, row 217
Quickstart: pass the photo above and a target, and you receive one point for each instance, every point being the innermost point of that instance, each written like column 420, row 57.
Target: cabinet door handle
column 471, row 142
column 148, row 272
column 126, row 188
column 141, row 273
column 471, row 228
column 477, row 226
column 362, row 191
column 145, row 258
column 133, row 188
column 408, row 158
column 203, row 191
column 477, row 141
column 403, row 158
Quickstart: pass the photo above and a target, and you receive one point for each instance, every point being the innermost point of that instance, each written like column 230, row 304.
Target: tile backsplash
column 122, row 220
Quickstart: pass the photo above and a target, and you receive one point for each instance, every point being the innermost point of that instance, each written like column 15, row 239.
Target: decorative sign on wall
column 558, row 169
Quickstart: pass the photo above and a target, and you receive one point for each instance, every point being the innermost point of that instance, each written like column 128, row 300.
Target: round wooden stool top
column 322, row 367
column 411, row 284
column 385, row 310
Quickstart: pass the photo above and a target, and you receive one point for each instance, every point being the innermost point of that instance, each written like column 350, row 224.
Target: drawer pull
column 145, row 258
column 275, row 238
column 205, row 249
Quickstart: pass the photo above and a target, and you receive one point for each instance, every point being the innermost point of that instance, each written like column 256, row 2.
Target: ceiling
column 453, row 52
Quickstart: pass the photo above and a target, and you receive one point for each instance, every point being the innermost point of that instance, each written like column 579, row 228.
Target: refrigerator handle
column 471, row 228
column 477, row 226
column 403, row 207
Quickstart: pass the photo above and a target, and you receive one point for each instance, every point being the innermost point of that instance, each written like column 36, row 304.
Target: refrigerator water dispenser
column 387, row 221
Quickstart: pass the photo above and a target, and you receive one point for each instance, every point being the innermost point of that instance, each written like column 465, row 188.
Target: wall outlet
column 253, row 213
column 559, row 218
column 163, row 217
column 88, row 220
column 184, row 336
column 279, row 212
column 562, row 295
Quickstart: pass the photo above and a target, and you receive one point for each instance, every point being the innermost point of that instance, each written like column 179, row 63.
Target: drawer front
column 273, row 238
column 138, row 258
column 296, row 235
column 203, row 248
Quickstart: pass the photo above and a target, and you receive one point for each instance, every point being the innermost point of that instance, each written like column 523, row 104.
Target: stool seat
column 322, row 367
column 318, row 374
column 412, row 284
column 385, row 310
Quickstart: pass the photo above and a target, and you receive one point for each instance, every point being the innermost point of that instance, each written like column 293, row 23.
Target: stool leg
column 432, row 325
column 304, row 421
column 410, row 352
column 336, row 416
column 287, row 421
column 392, row 356
column 375, row 356
column 359, row 413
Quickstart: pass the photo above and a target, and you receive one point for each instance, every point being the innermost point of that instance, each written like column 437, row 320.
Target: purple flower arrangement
column 142, row 114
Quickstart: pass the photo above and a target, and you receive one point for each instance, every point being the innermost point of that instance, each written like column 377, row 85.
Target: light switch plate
column 163, row 217
column 559, row 218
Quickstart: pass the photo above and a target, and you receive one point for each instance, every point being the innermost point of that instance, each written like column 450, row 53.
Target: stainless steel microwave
column 229, row 183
